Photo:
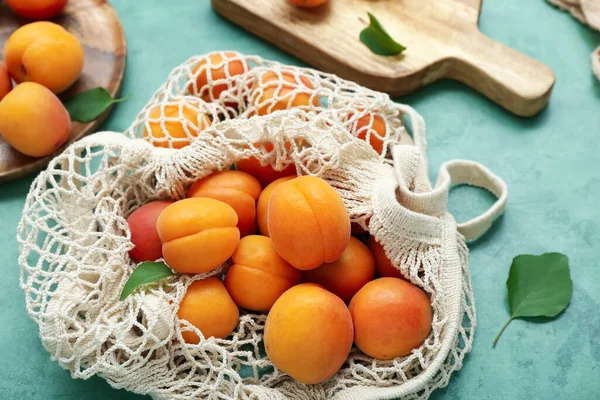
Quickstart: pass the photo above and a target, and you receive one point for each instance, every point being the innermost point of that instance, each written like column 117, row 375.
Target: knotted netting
column 213, row 111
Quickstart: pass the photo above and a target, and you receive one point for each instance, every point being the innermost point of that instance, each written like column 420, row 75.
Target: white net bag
column 212, row 112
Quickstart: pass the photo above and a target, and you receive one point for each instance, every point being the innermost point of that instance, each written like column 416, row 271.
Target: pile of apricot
column 44, row 60
column 287, row 250
column 175, row 123
column 285, row 241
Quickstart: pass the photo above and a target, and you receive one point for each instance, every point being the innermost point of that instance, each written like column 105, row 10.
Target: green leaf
column 378, row 40
column 89, row 105
column 538, row 286
column 146, row 272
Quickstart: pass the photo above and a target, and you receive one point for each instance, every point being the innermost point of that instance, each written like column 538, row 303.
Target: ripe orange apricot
column 383, row 265
column 214, row 69
column 182, row 123
column 37, row 9
column 262, row 205
column 307, row 3
column 346, row 275
column 372, row 126
column 266, row 174
column 5, row 82
column 45, row 53
column 142, row 224
column 238, row 189
column 308, row 333
column 207, row 306
column 281, row 92
column 197, row 234
column 259, row 275
column 33, row 120
column 308, row 222
column 391, row 317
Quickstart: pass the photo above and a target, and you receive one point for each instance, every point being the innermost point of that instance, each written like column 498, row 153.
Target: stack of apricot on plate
column 287, row 248
column 44, row 60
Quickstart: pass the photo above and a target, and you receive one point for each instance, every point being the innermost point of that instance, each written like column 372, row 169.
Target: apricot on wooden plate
column 207, row 306
column 346, row 275
column 45, row 53
column 308, row 333
column 307, row 3
column 308, row 222
column 258, row 275
column 197, row 234
column 391, row 318
column 37, row 9
column 33, row 120
column 5, row 81
column 238, row 189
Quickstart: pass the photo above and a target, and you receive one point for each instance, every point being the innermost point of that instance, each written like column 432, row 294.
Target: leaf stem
column 122, row 99
column 502, row 330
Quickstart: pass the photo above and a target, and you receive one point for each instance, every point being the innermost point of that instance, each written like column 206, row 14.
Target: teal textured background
column 550, row 162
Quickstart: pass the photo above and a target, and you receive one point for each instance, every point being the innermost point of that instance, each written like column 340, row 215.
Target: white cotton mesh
column 74, row 238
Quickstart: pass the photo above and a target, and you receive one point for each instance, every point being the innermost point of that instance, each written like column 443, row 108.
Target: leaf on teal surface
column 89, row 105
column 146, row 272
column 378, row 40
column 538, row 286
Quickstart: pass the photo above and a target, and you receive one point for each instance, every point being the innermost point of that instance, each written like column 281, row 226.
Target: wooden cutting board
column 96, row 24
column 441, row 36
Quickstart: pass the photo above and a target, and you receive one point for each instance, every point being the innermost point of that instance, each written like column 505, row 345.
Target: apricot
column 217, row 68
column 197, row 234
column 45, row 53
column 238, row 189
column 346, row 275
column 142, row 224
column 37, row 9
column 33, row 120
column 5, row 82
column 207, row 306
column 373, row 127
column 383, row 265
column 308, row 333
column 259, row 275
column 307, row 3
column 308, row 222
column 262, row 205
column 266, row 174
column 391, row 318
column 181, row 123
column 281, row 92
column 358, row 230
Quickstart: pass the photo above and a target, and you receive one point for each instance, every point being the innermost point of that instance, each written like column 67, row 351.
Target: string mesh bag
column 587, row 12
column 212, row 112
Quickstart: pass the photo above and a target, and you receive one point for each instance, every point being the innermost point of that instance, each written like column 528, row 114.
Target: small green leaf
column 378, row 40
column 146, row 272
column 538, row 286
column 89, row 105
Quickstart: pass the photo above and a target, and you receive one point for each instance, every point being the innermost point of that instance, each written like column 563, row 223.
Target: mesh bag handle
column 410, row 166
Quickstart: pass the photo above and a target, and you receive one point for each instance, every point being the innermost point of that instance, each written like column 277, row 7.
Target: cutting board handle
column 511, row 79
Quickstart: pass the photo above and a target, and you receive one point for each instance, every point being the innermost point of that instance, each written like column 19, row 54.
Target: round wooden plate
column 96, row 24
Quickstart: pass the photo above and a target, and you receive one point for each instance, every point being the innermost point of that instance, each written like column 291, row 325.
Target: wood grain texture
column 97, row 26
column 441, row 36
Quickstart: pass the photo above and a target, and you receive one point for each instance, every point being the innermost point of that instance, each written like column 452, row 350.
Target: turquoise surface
column 550, row 162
